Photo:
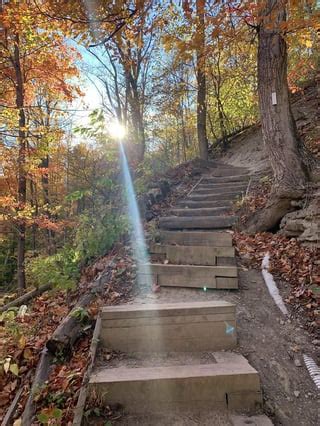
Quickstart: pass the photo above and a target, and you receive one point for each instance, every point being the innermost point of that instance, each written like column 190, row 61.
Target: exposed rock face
column 304, row 224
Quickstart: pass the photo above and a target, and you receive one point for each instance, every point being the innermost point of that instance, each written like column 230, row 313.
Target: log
column 42, row 374
column 70, row 329
column 26, row 297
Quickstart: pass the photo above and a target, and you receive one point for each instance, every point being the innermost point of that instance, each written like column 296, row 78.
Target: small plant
column 80, row 314
column 48, row 414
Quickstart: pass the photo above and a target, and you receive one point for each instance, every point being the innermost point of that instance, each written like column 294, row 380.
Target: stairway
column 180, row 356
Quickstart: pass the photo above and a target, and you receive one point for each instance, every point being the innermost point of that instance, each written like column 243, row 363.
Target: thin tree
column 201, row 81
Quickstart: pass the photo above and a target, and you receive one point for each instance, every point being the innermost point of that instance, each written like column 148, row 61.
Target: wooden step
column 219, row 190
column 228, row 384
column 213, row 196
column 243, row 184
column 200, row 222
column 215, row 211
column 198, row 238
column 169, row 327
column 219, row 277
column 191, row 255
column 226, row 172
column 205, row 204
column 224, row 179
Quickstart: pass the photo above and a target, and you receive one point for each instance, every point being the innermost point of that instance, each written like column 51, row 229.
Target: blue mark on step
column 229, row 328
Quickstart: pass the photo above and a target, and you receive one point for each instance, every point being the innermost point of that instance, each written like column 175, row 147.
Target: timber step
column 225, row 179
column 192, row 255
column 190, row 276
column 219, row 190
column 225, row 185
column 229, row 383
column 198, row 238
column 215, row 211
column 169, row 327
column 226, row 172
column 205, row 204
column 213, row 196
column 199, row 222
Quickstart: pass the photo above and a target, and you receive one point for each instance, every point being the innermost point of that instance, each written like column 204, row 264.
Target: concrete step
column 205, row 204
column 215, row 211
column 225, row 179
column 191, row 255
column 199, row 222
column 213, row 196
column 219, row 190
column 169, row 327
column 228, row 384
column 190, row 238
column 259, row 420
column 219, row 277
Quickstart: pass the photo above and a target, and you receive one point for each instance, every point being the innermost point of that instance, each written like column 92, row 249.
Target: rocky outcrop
column 304, row 224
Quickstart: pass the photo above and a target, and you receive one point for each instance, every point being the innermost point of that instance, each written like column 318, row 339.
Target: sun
column 116, row 130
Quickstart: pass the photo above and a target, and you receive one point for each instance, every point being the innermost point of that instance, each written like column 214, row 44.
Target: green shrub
column 61, row 269
column 95, row 237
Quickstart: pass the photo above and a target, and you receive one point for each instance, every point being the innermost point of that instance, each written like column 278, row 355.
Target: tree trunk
column 201, row 82
column 280, row 136
column 22, row 181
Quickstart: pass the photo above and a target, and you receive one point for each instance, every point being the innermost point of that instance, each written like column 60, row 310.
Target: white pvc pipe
column 272, row 286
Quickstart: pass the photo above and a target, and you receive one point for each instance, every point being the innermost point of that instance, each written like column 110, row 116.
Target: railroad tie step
column 225, row 179
column 213, row 196
column 191, row 255
column 228, row 384
column 199, row 222
column 189, row 276
column 198, row 238
column 169, row 327
column 187, row 203
column 215, row 211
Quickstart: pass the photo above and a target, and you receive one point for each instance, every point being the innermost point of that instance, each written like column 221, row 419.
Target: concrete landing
column 250, row 421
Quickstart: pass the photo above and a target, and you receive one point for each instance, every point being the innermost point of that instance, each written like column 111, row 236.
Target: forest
column 110, row 113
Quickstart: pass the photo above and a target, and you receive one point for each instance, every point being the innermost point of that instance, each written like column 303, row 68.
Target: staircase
column 179, row 356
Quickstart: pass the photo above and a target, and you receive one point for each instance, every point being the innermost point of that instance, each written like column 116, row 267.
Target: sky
column 92, row 98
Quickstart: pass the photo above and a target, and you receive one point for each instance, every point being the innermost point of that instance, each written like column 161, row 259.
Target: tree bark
column 22, row 181
column 201, row 82
column 284, row 147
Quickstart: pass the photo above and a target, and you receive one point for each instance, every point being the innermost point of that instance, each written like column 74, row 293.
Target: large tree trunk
column 22, row 181
column 280, row 137
column 201, row 82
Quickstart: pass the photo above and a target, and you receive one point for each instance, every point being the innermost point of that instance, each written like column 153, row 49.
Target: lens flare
column 116, row 130
column 138, row 243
